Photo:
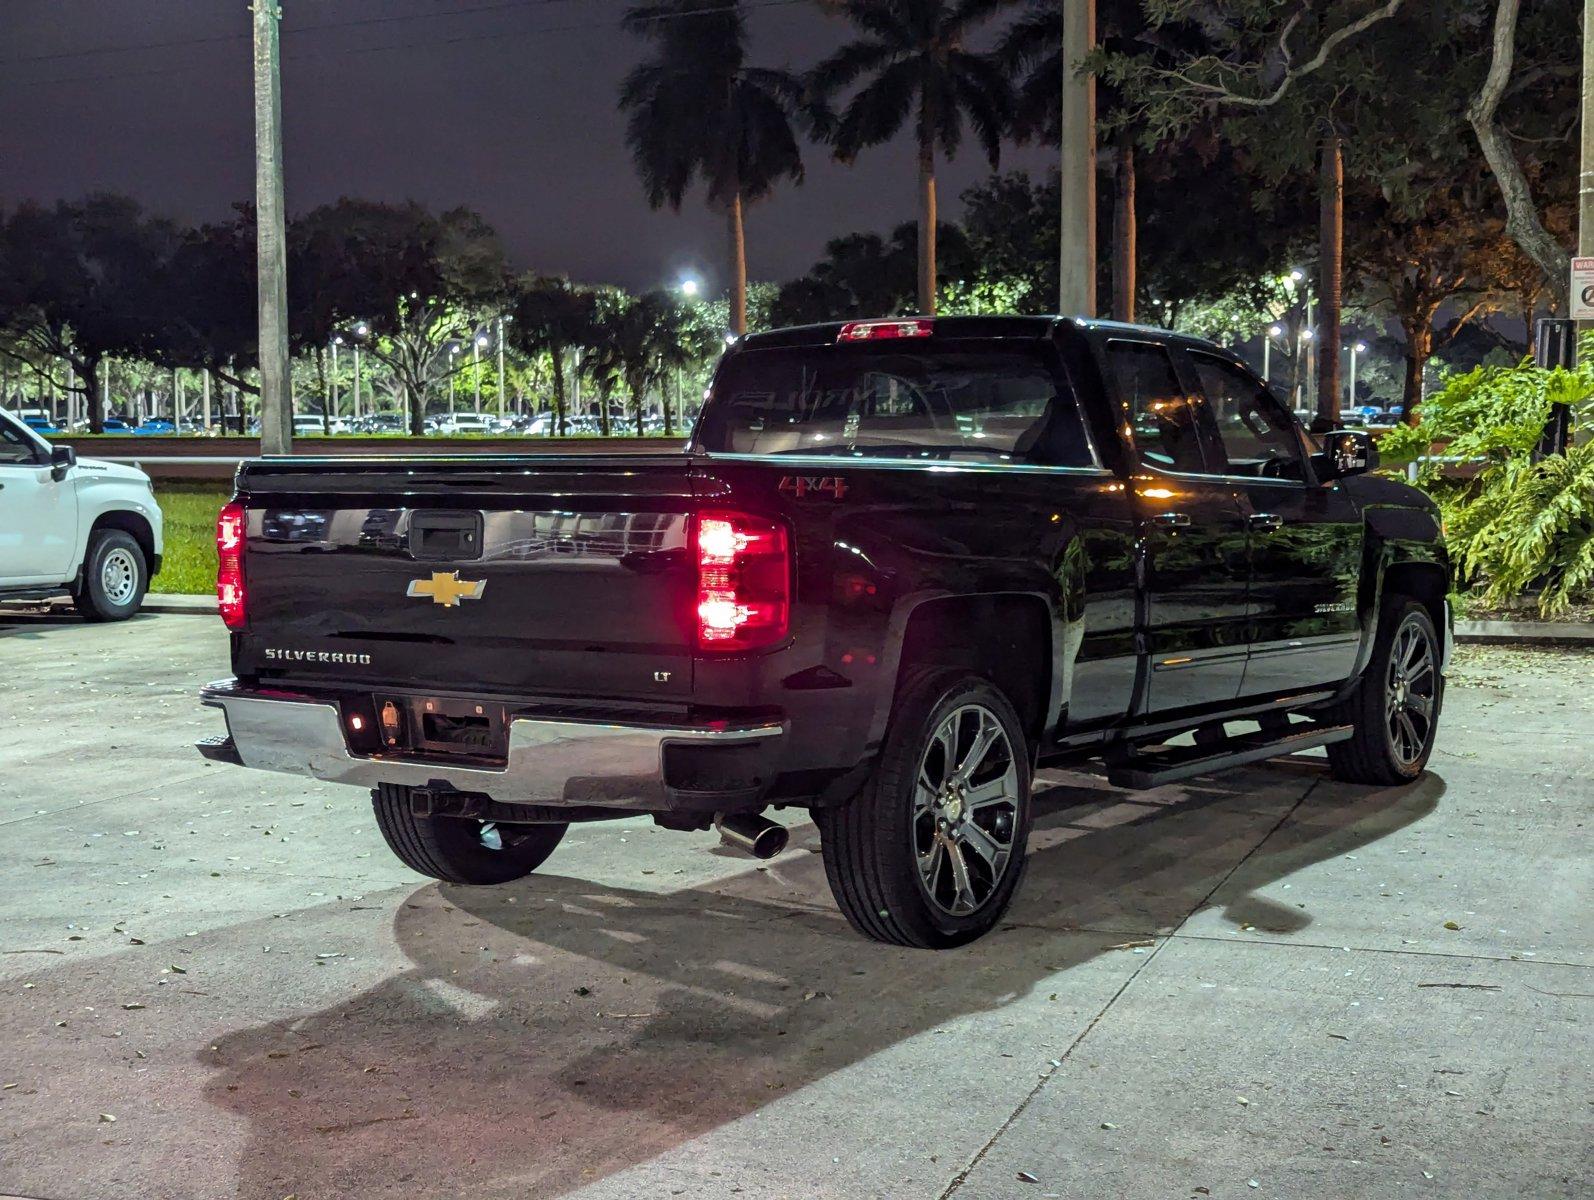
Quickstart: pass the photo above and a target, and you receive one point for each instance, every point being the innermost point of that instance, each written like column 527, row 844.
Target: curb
column 172, row 602
column 1524, row 633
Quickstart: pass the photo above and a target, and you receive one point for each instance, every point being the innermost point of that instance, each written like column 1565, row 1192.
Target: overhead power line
column 497, row 36
column 293, row 31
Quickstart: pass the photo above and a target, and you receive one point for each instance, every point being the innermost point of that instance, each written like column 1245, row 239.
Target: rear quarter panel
column 889, row 539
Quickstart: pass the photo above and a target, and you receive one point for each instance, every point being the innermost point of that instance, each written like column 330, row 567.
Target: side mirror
column 61, row 458
column 1345, row 452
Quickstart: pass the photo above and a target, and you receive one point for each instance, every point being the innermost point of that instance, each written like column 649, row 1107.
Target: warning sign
column 1583, row 289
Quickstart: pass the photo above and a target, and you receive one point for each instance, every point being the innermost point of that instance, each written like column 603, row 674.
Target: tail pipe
column 751, row 833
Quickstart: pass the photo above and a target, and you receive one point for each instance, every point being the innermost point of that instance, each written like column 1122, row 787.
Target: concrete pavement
column 219, row 983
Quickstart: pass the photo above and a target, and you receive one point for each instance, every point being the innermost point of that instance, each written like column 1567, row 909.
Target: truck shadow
column 554, row 1032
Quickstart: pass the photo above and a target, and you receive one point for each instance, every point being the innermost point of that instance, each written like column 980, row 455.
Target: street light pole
column 361, row 331
column 500, row 366
column 276, row 395
column 1076, row 291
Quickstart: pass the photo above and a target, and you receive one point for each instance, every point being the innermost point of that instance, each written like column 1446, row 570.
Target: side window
column 1258, row 437
column 15, row 447
column 1172, row 430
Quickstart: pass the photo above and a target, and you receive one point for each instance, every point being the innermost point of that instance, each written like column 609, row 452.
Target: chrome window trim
column 839, row 461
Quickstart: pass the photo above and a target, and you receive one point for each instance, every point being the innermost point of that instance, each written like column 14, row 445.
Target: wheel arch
column 133, row 524
column 1004, row 636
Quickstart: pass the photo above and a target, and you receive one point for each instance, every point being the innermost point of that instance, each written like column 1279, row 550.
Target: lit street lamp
column 1355, row 349
column 361, row 332
column 476, row 347
column 1273, row 331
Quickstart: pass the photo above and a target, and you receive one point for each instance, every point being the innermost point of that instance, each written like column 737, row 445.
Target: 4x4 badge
column 447, row 590
column 801, row 486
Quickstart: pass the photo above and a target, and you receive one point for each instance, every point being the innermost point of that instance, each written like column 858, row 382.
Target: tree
column 207, row 302
column 1450, row 251
column 1287, row 111
column 1193, row 249
column 419, row 283
column 645, row 337
column 1523, row 219
column 914, row 57
column 866, row 275
column 552, row 317
column 604, row 360
column 1033, row 47
column 77, row 279
column 697, row 111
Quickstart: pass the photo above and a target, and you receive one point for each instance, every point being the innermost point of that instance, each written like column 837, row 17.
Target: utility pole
column 271, row 256
column 1076, row 292
column 1585, row 195
column 1555, row 338
column 501, row 359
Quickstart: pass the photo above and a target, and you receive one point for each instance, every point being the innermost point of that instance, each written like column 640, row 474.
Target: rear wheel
column 931, row 850
column 115, row 577
column 459, row 849
column 1395, row 707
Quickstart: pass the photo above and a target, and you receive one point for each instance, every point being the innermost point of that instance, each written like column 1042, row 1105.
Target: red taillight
column 743, row 581
column 230, row 564
column 873, row 331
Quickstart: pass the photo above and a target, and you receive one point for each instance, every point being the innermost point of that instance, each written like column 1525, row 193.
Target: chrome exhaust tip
column 751, row 833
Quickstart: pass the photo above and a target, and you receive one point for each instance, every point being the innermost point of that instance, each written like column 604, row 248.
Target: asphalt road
column 218, row 983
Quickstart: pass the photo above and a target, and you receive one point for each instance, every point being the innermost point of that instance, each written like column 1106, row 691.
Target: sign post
column 1582, row 289
column 1555, row 345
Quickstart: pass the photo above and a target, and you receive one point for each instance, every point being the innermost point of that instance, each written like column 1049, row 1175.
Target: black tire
column 1384, row 750
column 453, row 849
column 115, row 577
column 872, row 843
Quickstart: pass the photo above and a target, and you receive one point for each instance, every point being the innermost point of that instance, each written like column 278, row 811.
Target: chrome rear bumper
column 550, row 762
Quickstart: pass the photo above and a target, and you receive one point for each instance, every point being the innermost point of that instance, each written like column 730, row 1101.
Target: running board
column 1149, row 768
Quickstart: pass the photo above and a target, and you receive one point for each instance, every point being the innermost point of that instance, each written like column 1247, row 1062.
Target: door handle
column 1171, row 520
column 1265, row 522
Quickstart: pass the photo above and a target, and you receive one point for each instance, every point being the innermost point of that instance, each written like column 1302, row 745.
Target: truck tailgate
column 519, row 576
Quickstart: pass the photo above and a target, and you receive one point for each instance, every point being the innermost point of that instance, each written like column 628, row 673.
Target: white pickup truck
column 78, row 526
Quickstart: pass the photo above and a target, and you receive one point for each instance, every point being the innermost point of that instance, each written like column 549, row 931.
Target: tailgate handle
column 445, row 536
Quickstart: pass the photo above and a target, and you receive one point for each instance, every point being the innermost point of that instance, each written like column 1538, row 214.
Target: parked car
column 155, row 427
column 308, row 424
column 384, row 423
column 900, row 565
column 76, row 526
column 42, row 424
column 455, row 423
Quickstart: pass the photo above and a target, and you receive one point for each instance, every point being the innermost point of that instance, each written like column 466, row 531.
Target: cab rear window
column 964, row 401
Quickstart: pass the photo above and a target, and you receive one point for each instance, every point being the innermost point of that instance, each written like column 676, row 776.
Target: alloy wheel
column 1411, row 692
column 965, row 810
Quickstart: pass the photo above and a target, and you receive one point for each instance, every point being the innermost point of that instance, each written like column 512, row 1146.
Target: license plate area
column 442, row 726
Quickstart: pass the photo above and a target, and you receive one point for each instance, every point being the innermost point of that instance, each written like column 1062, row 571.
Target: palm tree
column 552, row 317
column 915, row 56
column 697, row 111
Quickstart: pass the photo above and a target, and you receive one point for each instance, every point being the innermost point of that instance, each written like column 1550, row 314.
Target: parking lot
column 219, row 982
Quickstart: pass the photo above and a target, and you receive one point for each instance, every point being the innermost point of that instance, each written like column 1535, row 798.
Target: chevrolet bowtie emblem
column 447, row 590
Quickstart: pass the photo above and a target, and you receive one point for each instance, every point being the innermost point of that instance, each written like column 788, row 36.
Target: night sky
column 507, row 106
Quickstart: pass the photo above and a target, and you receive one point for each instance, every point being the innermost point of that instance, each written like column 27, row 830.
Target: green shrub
column 1518, row 524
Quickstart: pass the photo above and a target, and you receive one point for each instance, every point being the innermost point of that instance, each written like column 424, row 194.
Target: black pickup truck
column 900, row 565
